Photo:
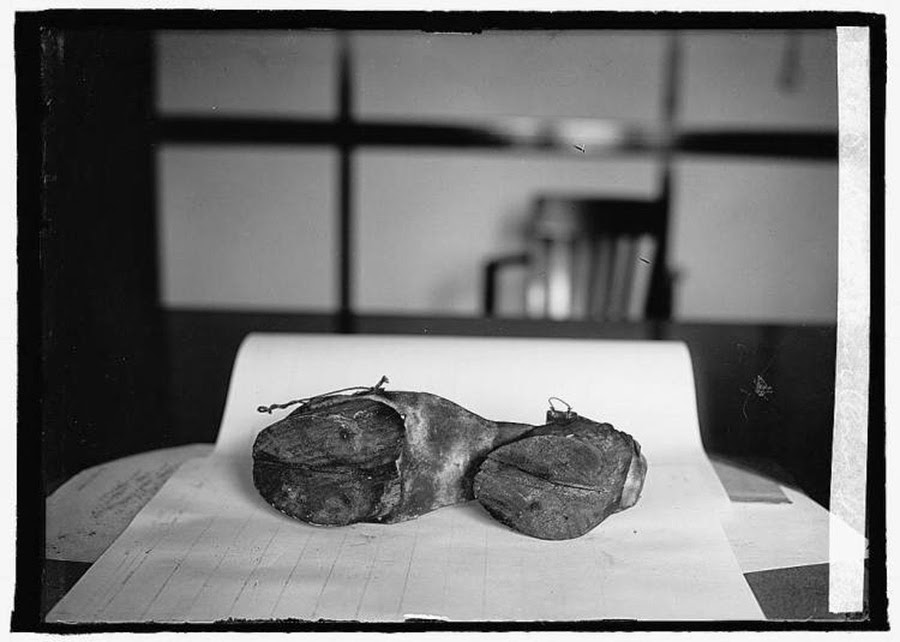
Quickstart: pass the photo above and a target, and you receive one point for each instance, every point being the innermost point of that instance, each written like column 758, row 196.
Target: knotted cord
column 306, row 400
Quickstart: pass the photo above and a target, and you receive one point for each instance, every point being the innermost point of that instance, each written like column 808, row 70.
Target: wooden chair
column 591, row 258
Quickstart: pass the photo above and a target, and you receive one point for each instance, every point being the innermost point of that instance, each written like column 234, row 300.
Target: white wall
column 754, row 240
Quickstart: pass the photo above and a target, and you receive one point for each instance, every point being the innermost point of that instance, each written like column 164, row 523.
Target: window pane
column 746, row 79
column 429, row 221
column 233, row 72
column 564, row 74
column 756, row 241
column 243, row 228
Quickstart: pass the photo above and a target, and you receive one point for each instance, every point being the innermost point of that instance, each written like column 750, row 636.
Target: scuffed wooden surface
column 331, row 464
column 560, row 481
column 338, row 461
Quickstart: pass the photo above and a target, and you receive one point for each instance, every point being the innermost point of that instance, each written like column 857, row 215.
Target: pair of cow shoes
column 382, row 456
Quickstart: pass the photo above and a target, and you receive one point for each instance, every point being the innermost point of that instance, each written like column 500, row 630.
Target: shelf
column 580, row 137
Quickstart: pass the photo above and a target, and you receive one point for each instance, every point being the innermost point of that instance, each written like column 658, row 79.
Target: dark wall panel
column 102, row 349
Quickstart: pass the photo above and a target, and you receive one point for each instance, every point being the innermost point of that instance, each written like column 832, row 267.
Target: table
column 88, row 512
column 770, row 433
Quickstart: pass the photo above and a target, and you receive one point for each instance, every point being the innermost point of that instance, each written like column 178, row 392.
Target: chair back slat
column 592, row 258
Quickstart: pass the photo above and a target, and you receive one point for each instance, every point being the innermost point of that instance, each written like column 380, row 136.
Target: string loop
column 307, row 400
column 562, row 401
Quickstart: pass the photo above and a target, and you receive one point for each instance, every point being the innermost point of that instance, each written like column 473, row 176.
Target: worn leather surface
column 563, row 479
column 440, row 448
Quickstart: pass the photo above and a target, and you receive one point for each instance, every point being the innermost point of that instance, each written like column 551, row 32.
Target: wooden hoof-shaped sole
column 333, row 466
column 382, row 457
column 562, row 484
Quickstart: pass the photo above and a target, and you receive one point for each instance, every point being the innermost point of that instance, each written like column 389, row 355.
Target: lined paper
column 88, row 513
column 207, row 548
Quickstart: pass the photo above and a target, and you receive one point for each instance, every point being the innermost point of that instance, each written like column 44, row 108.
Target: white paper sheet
column 207, row 547
column 87, row 513
column 768, row 536
column 645, row 388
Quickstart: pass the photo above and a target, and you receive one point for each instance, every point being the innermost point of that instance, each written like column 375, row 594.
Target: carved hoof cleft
column 563, row 479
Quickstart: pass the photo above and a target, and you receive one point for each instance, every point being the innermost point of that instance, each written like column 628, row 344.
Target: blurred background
column 646, row 184
column 255, row 227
